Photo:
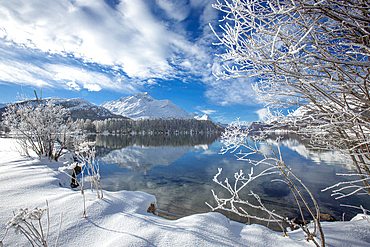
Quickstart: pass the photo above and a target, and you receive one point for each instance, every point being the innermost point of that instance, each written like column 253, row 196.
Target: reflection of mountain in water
column 302, row 147
column 142, row 152
column 324, row 157
column 142, row 159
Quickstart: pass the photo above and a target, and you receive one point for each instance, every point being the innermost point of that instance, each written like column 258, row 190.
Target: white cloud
column 205, row 111
column 233, row 91
column 208, row 112
column 149, row 82
column 209, row 15
column 125, row 37
column 72, row 85
column 19, row 66
column 175, row 9
column 92, row 87
column 262, row 113
column 186, row 64
column 128, row 36
column 23, row 74
column 91, row 80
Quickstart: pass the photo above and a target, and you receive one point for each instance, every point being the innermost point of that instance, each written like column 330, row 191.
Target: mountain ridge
column 144, row 106
column 79, row 108
column 139, row 106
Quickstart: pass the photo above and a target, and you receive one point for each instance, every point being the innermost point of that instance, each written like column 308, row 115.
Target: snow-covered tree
column 43, row 127
column 312, row 55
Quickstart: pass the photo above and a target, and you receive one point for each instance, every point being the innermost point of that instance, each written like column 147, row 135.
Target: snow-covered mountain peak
column 145, row 96
column 75, row 101
column 56, row 100
column 143, row 106
column 136, row 98
column 204, row 117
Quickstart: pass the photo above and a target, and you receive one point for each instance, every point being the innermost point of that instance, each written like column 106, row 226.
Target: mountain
column 139, row 106
column 79, row 108
column 144, row 106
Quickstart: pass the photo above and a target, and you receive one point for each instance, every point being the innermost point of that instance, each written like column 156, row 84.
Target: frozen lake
column 179, row 170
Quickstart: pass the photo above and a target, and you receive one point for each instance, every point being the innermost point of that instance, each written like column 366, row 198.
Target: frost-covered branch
column 86, row 157
column 88, row 163
column 348, row 188
column 22, row 222
column 310, row 56
column 39, row 126
column 236, row 137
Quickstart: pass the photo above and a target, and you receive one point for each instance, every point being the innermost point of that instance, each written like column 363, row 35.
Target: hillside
column 79, row 108
column 144, row 106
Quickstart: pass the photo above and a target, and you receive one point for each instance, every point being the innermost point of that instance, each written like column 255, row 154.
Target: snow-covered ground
column 121, row 218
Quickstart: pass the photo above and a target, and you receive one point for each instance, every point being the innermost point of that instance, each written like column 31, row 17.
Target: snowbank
column 121, row 218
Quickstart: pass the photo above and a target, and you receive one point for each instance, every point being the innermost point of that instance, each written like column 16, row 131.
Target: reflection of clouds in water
column 142, row 159
column 332, row 158
column 203, row 146
column 296, row 146
column 265, row 149
column 176, row 192
column 183, row 187
column 209, row 152
column 327, row 157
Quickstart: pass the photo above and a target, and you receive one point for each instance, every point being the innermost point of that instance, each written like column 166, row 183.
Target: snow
column 204, row 117
column 56, row 100
column 121, row 218
column 79, row 106
column 144, row 106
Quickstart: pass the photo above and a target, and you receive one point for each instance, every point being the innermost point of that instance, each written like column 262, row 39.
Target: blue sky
column 102, row 50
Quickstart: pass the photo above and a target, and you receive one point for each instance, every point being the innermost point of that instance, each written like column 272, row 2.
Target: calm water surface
column 179, row 170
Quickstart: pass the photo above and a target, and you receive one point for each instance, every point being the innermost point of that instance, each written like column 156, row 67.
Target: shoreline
column 121, row 218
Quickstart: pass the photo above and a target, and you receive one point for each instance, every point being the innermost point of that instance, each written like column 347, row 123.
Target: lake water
column 179, row 170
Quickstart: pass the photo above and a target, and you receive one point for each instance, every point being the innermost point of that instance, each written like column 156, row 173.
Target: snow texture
column 121, row 218
column 144, row 106
column 81, row 108
column 204, row 117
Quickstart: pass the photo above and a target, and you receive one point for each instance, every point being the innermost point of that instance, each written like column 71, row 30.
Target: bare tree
column 311, row 55
column 39, row 126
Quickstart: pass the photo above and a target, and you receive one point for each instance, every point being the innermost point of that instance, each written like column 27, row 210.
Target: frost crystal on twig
column 235, row 139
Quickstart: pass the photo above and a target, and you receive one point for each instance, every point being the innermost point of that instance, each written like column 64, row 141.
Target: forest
column 147, row 126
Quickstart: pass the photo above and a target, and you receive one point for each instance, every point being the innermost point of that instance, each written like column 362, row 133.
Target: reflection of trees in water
column 122, row 141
